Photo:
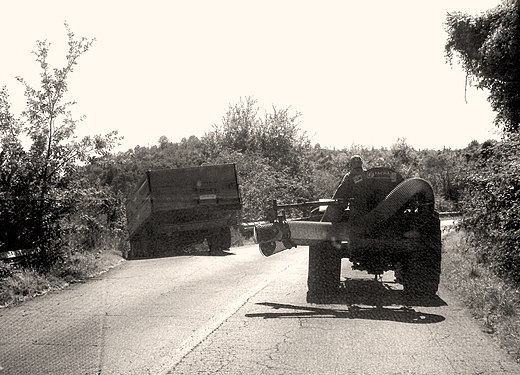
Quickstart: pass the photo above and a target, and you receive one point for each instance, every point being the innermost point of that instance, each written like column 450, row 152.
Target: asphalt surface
column 240, row 313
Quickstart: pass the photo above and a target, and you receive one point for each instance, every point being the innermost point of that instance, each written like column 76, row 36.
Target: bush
column 5, row 270
column 40, row 158
column 491, row 204
column 19, row 284
column 444, row 205
column 26, row 283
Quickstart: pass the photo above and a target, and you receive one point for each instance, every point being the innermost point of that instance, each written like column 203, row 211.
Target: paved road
column 240, row 314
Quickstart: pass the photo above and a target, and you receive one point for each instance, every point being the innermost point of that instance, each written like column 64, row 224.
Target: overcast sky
column 359, row 72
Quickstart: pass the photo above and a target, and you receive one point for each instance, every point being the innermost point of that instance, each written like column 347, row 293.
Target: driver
column 348, row 191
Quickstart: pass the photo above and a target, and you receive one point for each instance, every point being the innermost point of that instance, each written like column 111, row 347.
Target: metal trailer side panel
column 193, row 188
column 139, row 207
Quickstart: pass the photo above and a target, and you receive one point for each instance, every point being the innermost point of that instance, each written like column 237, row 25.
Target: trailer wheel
column 324, row 273
column 137, row 247
column 131, row 253
column 219, row 239
column 225, row 237
column 212, row 240
column 422, row 269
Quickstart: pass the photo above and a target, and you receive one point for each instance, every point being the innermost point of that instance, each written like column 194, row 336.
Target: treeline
column 276, row 160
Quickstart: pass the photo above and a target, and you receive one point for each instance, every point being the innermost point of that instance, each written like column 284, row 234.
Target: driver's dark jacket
column 350, row 192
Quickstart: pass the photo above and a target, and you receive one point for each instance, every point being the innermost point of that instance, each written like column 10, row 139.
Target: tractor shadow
column 361, row 299
column 375, row 293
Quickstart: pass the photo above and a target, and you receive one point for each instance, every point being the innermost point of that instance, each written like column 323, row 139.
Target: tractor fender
column 395, row 200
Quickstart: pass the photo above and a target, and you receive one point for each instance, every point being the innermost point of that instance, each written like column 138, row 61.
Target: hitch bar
column 281, row 234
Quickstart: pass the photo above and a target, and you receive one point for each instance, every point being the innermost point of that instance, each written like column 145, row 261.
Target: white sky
column 359, row 72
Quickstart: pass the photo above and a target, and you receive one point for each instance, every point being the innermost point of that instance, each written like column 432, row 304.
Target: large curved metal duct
column 395, row 200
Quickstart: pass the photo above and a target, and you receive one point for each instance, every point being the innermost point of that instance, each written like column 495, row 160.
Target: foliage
column 5, row 270
column 82, row 265
column 39, row 185
column 270, row 153
column 26, row 283
column 493, row 302
column 491, row 204
column 96, row 221
column 439, row 167
column 19, row 283
column 488, row 46
column 124, row 170
column 276, row 137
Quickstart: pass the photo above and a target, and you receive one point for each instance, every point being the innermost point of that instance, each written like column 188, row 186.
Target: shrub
column 25, row 283
column 5, row 270
column 491, row 204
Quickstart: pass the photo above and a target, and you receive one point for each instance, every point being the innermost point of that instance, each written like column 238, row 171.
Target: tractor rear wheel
column 324, row 273
column 422, row 269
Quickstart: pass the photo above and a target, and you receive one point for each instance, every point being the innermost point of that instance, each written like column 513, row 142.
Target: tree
column 270, row 151
column 488, row 46
column 404, row 158
column 12, row 186
column 45, row 179
column 276, row 136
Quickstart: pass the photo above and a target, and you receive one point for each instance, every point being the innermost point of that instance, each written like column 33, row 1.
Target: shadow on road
column 363, row 299
column 401, row 315
column 370, row 292
column 215, row 253
column 219, row 253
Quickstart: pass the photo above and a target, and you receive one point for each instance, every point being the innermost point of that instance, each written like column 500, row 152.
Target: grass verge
column 19, row 284
column 489, row 299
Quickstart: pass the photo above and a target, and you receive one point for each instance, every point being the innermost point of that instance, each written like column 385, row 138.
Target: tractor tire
column 422, row 269
column 324, row 273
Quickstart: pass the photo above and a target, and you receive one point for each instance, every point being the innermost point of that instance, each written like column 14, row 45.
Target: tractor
column 384, row 223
